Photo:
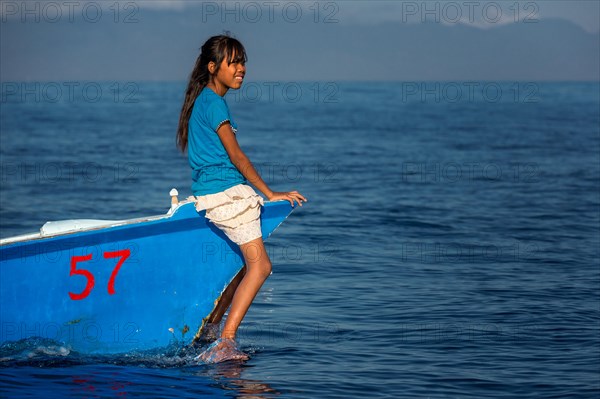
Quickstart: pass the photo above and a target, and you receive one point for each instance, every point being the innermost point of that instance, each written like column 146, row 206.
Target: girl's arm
column 243, row 164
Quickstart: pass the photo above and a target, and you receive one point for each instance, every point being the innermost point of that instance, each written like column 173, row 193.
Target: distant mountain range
column 163, row 45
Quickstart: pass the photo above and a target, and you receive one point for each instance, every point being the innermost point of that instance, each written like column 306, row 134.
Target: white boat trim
column 64, row 227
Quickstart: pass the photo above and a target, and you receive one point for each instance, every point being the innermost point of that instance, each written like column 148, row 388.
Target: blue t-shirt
column 212, row 170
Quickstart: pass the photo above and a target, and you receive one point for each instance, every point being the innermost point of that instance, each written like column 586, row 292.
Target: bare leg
column 226, row 298
column 258, row 269
column 210, row 330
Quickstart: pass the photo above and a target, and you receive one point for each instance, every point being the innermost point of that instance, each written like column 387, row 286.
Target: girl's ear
column 211, row 67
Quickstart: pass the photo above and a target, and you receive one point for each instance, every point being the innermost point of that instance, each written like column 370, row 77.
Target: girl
column 220, row 173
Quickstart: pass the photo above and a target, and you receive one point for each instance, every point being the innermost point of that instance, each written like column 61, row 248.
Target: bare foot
column 221, row 350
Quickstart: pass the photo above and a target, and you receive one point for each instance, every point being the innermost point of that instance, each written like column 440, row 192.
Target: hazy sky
column 304, row 40
column 585, row 13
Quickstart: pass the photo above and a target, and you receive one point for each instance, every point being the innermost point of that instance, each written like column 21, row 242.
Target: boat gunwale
column 39, row 236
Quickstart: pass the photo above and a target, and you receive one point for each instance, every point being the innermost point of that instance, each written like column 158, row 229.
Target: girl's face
column 229, row 76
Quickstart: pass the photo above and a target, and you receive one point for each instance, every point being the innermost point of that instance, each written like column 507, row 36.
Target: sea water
column 449, row 248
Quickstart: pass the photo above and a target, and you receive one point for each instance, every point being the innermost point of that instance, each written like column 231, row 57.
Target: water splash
column 43, row 352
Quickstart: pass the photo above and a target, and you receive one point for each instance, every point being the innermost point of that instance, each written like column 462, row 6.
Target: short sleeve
column 217, row 113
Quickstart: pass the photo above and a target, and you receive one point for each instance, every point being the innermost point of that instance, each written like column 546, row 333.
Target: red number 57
column 122, row 254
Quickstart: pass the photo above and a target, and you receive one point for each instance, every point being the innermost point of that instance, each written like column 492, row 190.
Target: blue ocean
column 449, row 247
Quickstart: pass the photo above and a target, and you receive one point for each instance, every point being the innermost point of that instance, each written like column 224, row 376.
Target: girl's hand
column 288, row 196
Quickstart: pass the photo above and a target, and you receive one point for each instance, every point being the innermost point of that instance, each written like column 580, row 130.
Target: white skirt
column 235, row 211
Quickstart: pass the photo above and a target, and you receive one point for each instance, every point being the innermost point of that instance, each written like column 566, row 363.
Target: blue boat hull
column 123, row 288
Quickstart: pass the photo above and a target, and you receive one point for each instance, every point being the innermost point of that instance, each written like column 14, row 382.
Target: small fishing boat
column 116, row 286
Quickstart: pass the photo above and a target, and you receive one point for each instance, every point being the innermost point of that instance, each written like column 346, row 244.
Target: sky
column 584, row 13
column 303, row 40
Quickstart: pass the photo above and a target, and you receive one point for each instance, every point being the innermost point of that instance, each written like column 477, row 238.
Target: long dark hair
column 216, row 49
